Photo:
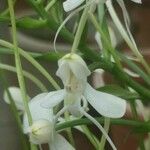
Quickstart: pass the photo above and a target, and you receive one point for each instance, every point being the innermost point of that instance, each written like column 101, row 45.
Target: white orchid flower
column 73, row 72
column 16, row 96
column 137, row 1
column 69, row 5
column 42, row 129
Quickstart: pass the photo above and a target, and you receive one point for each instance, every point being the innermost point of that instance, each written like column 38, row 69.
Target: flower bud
column 41, row 131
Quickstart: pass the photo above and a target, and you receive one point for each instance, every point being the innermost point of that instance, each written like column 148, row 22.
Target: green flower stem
column 103, row 139
column 18, row 62
column 69, row 132
column 102, row 20
column 133, row 109
column 122, row 76
column 136, row 117
column 110, row 48
column 135, row 68
column 33, row 62
column 85, row 121
column 48, row 56
column 14, row 112
column 125, row 36
column 80, row 29
column 26, row 74
column 94, row 141
column 50, row 4
column 50, row 21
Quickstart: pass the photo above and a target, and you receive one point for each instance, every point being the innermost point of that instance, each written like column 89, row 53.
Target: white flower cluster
column 69, row 5
column 76, row 95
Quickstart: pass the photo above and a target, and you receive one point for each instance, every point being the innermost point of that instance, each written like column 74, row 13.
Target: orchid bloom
column 42, row 129
column 73, row 72
column 76, row 94
column 69, row 5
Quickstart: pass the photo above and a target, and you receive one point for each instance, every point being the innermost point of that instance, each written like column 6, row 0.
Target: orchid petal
column 69, row 5
column 137, row 1
column 63, row 71
column 125, row 12
column 37, row 112
column 81, row 71
column 106, row 104
column 53, row 98
column 74, row 63
column 60, row 142
column 15, row 93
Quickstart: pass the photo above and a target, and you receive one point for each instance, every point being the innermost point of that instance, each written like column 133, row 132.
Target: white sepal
column 15, row 93
column 60, row 143
column 53, row 98
column 69, row 5
column 72, row 63
column 137, row 1
column 37, row 111
column 106, row 104
column 63, row 71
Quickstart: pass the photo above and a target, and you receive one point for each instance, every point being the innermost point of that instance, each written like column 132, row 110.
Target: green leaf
column 50, row 56
column 30, row 23
column 4, row 18
column 119, row 91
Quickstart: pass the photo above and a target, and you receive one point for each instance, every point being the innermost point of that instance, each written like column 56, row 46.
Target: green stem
column 69, row 132
column 102, row 20
column 80, row 29
column 103, row 139
column 125, row 35
column 33, row 62
column 110, row 48
column 18, row 62
column 50, row 4
column 94, row 141
column 26, row 74
column 85, row 121
column 14, row 112
column 136, row 117
column 135, row 68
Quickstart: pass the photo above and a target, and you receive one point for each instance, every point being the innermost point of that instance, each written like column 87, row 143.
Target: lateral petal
column 60, row 142
column 15, row 93
column 106, row 104
column 80, row 70
column 37, row 112
column 53, row 98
